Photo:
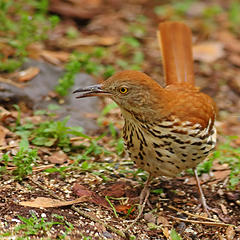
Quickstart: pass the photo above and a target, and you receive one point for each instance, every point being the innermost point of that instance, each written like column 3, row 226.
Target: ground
column 42, row 157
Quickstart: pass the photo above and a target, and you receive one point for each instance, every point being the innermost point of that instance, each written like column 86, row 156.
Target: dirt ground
column 173, row 203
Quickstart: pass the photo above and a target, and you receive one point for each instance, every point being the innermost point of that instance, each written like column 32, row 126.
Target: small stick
column 193, row 215
column 203, row 222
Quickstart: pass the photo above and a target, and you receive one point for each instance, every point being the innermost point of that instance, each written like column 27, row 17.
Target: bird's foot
column 142, row 202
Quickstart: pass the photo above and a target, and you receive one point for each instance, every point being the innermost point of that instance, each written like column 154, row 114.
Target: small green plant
column 227, row 153
column 176, row 9
column 51, row 133
column 35, row 226
column 24, row 160
column 233, row 15
column 174, row 235
column 22, row 23
column 87, row 62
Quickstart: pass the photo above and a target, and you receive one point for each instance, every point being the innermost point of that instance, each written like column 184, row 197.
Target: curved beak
column 95, row 90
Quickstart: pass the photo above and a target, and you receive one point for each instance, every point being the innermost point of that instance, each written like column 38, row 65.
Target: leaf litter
column 99, row 174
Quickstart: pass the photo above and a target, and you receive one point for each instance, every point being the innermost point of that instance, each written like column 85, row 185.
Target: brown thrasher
column 167, row 130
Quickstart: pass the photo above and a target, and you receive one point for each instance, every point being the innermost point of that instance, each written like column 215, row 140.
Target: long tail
column 175, row 40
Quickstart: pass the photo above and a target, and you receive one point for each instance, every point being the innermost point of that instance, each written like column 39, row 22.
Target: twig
column 203, row 222
column 35, row 169
column 81, row 212
column 193, row 215
column 8, row 147
column 142, row 206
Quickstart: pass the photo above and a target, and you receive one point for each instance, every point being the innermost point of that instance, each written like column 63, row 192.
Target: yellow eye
column 123, row 90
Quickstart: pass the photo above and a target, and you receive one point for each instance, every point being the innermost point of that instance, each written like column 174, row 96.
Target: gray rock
column 36, row 91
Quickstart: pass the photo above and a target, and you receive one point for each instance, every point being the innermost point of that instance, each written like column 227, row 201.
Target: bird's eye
column 123, row 90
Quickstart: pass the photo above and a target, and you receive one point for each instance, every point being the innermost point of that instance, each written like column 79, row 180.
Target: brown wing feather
column 175, row 40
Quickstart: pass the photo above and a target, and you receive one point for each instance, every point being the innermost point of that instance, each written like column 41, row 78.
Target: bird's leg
column 202, row 197
column 145, row 191
column 143, row 200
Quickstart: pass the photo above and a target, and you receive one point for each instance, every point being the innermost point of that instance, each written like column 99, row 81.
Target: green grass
column 39, row 227
column 24, row 160
column 230, row 154
column 225, row 153
column 23, row 22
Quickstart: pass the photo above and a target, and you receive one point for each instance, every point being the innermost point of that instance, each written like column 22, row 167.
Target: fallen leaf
column 162, row 220
column 230, row 233
column 58, row 157
column 166, row 232
column 149, row 217
column 230, row 41
column 89, row 41
column 208, row 51
column 42, row 202
column 235, row 59
column 55, row 57
column 81, row 190
column 3, row 133
column 27, row 75
column 124, row 209
column 224, row 209
column 116, row 190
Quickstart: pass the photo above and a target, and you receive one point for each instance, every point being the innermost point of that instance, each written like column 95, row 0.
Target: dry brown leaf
column 230, row 233
column 27, row 74
column 58, row 157
column 230, row 41
column 162, row 220
column 3, row 133
column 224, row 209
column 42, row 202
column 208, row 51
column 77, row 9
column 166, row 232
column 89, row 41
column 81, row 190
column 55, row 57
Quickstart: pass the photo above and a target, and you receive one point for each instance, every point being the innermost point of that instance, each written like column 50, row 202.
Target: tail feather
column 175, row 40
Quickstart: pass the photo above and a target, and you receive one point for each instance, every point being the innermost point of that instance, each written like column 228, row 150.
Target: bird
column 167, row 129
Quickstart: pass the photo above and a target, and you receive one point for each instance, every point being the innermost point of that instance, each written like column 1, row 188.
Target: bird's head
column 132, row 90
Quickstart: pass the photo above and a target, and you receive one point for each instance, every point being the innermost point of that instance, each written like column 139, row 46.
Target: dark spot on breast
column 206, row 152
column 160, row 160
column 170, row 150
column 184, row 154
column 194, row 154
column 183, row 160
column 159, row 154
column 165, row 126
column 171, row 162
column 203, row 148
column 211, row 143
column 148, row 164
column 204, row 137
column 140, row 156
column 196, row 144
column 156, row 145
column 179, row 141
column 182, row 147
column 179, row 131
column 167, row 143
